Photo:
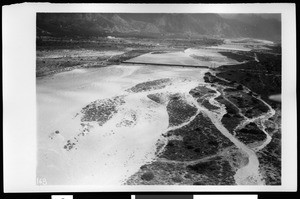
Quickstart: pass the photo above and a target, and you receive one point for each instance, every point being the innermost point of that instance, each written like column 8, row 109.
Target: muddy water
column 249, row 174
column 245, row 175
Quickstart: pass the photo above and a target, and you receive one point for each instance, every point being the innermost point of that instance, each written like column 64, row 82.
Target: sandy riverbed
column 108, row 154
column 191, row 57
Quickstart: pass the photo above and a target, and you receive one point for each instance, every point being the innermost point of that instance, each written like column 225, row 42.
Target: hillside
column 159, row 24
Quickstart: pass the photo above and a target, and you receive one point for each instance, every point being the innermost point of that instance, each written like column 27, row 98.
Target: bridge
column 158, row 64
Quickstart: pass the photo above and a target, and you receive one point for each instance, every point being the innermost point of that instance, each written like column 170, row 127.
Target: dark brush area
column 263, row 77
column 250, row 133
column 200, row 139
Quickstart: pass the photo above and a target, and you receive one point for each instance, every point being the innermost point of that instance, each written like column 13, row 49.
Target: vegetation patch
column 250, row 105
column 263, row 77
column 147, row 176
column 150, row 85
column 270, row 161
column 201, row 91
column 209, row 78
column 270, row 156
column 200, row 139
column 179, row 110
column 232, row 118
column 250, row 133
column 239, row 56
column 101, row 110
column 208, row 105
column 218, row 172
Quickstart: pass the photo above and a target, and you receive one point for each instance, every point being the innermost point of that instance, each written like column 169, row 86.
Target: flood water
column 109, row 154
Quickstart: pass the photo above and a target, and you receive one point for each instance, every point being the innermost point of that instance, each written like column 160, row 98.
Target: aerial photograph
column 127, row 99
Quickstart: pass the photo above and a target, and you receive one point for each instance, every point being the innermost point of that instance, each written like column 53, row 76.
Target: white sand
column 236, row 47
column 214, row 59
column 177, row 58
column 109, row 154
column 206, row 57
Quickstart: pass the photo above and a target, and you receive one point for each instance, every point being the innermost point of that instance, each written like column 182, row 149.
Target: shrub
column 147, row 176
column 214, row 143
column 188, row 175
column 177, row 179
column 239, row 87
column 198, row 183
column 170, row 144
column 189, row 147
column 197, row 150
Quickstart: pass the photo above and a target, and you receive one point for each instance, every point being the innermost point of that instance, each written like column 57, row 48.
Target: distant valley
column 263, row 26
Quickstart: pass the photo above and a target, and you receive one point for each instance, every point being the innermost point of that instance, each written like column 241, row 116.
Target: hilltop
column 160, row 25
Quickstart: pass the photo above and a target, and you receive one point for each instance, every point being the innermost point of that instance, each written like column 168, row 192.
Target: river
column 109, row 154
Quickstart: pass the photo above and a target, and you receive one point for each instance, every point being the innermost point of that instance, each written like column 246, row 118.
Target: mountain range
column 260, row 26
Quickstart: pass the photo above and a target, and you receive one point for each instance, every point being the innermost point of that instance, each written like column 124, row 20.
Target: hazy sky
column 266, row 16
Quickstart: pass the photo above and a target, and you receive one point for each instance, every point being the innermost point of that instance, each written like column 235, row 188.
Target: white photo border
column 19, row 92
